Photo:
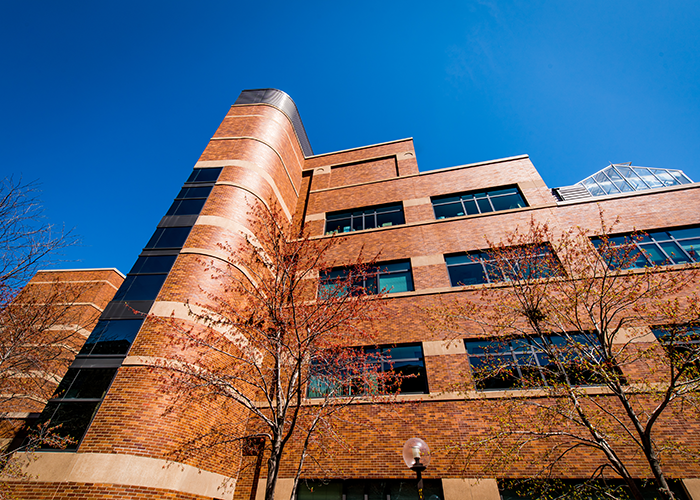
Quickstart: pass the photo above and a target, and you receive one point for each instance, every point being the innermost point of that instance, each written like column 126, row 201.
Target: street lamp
column 416, row 454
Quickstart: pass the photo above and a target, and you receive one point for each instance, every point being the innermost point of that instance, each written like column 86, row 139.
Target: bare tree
column 275, row 341
column 25, row 238
column 40, row 329
column 569, row 326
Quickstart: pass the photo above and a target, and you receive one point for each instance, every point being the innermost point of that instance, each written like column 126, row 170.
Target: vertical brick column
column 261, row 156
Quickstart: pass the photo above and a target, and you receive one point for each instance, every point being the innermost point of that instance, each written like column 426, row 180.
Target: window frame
column 481, row 199
column 380, row 360
column 516, row 350
column 361, row 216
column 367, row 281
column 679, row 346
column 487, row 262
column 636, row 245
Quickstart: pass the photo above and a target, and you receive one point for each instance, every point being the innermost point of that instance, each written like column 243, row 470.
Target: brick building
column 50, row 320
column 420, row 223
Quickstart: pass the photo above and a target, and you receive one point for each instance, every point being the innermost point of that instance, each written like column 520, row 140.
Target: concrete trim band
column 127, row 470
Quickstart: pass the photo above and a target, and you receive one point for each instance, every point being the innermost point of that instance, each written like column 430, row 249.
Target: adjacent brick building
column 48, row 321
column 419, row 223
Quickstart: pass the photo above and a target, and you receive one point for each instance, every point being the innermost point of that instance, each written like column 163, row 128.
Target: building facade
column 421, row 224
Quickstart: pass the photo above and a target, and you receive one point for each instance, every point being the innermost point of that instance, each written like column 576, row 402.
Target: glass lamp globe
column 416, row 448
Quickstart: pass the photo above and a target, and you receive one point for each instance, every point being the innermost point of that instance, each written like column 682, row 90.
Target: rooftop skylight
column 624, row 178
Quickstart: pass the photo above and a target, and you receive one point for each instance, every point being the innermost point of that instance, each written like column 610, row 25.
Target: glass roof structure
column 624, row 178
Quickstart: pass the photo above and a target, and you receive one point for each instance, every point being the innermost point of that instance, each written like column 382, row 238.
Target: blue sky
column 110, row 104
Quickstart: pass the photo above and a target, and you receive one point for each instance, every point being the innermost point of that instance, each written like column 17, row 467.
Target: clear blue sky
column 110, row 104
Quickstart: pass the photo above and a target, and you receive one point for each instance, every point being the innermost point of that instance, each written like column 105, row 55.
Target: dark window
column 390, row 277
column 186, row 207
column 598, row 489
column 682, row 343
column 364, row 218
column 189, row 201
column 368, row 489
column 169, row 237
column 146, row 278
column 153, row 264
column 76, row 400
column 374, row 370
column 111, row 337
column 521, row 363
column 89, row 383
column 73, row 417
column 204, row 175
column 194, row 192
column 140, row 287
column 513, row 264
column 655, row 248
column 493, row 200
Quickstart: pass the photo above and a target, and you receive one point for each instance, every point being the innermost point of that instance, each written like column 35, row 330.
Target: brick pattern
column 368, row 171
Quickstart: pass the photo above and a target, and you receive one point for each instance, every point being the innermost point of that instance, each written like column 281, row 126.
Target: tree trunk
column 272, row 470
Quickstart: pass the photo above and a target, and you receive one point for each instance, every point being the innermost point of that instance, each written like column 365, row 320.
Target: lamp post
column 416, row 454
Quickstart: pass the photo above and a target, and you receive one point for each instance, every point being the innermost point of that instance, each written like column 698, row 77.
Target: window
column 368, row 489
column 389, row 277
column 189, row 201
column 522, row 362
column 111, row 337
column 153, row 264
column 493, row 200
column 597, row 489
column 655, row 248
column 143, row 287
column 146, row 278
column 76, row 400
column 364, row 218
column 624, row 178
column 682, row 343
column 482, row 267
column 384, row 370
column 169, row 237
column 204, row 175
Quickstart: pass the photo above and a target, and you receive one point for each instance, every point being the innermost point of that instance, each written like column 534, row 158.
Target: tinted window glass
column 368, row 489
column 366, row 218
column 405, row 361
column 169, row 237
column 476, row 203
column 141, row 287
column 194, row 192
column 391, row 277
column 657, row 248
column 112, row 337
column 204, row 175
column 186, row 207
column 526, row 363
column 480, row 267
column 153, row 264
column 74, row 418
column 85, row 383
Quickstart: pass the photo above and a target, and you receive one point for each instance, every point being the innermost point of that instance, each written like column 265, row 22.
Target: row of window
column 81, row 390
column 453, row 205
column 655, row 248
column 509, row 489
column 509, row 364
column 678, row 246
